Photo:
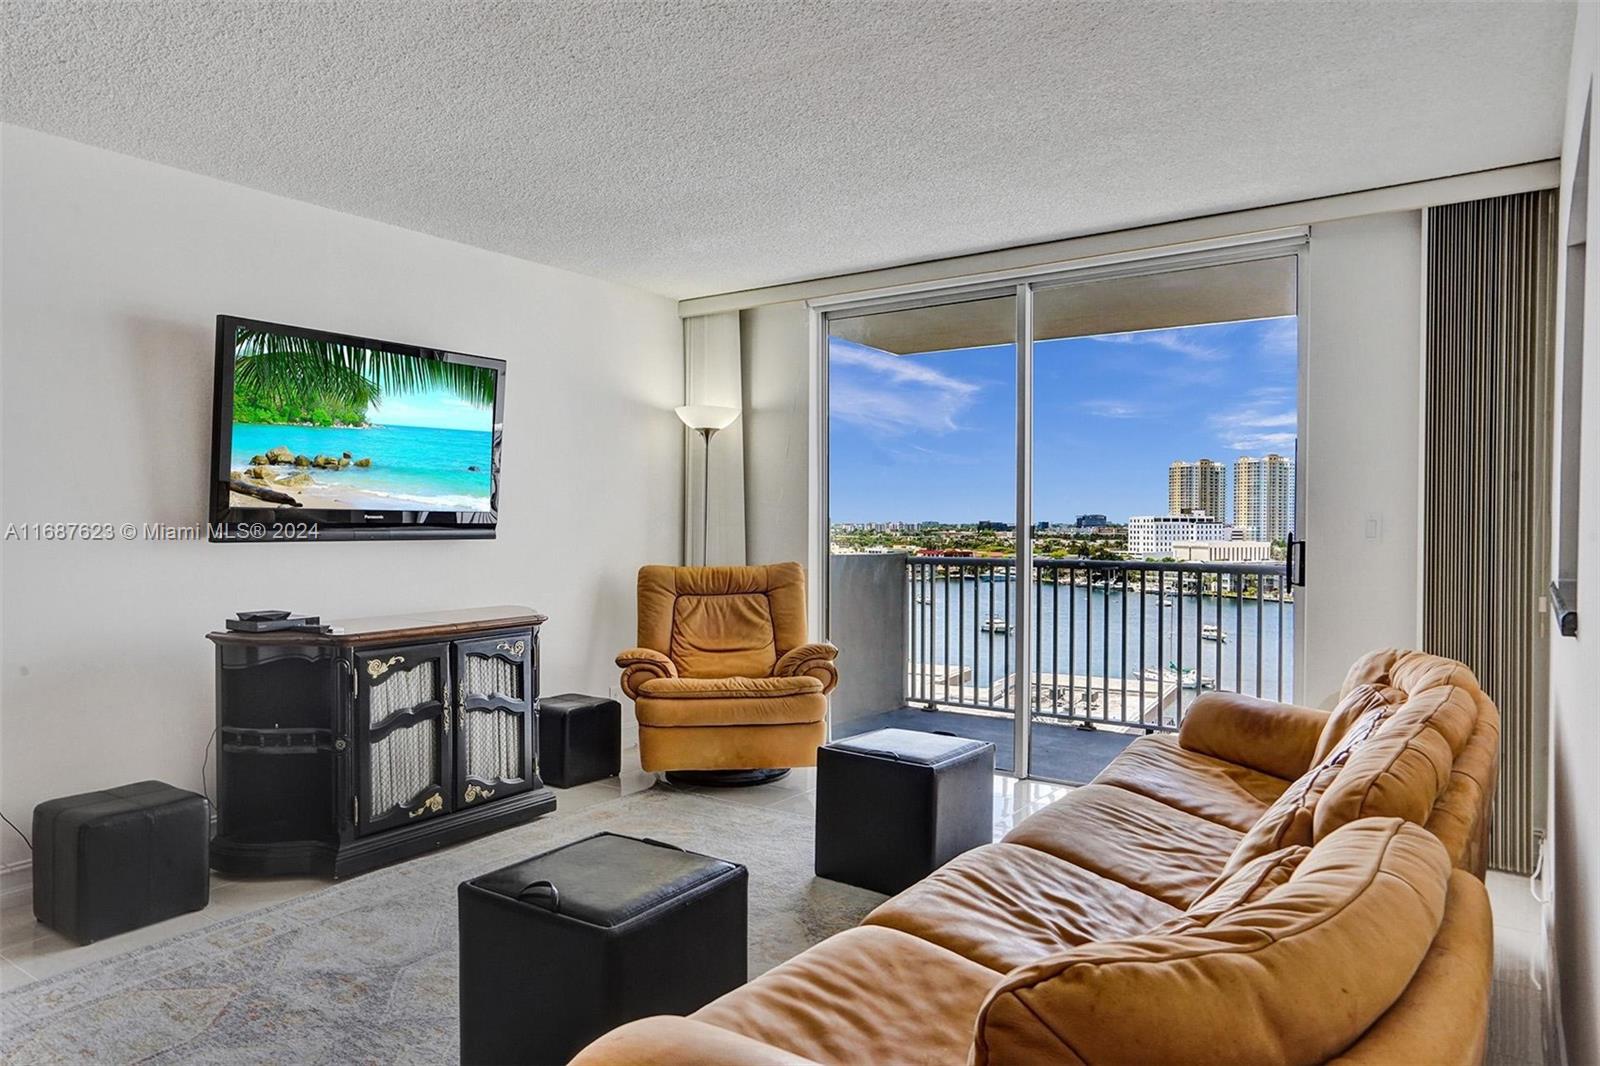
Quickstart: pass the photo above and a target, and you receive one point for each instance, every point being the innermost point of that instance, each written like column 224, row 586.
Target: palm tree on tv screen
column 285, row 371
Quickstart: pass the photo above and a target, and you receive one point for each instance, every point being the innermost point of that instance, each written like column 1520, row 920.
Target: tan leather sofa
column 723, row 677
column 1275, row 884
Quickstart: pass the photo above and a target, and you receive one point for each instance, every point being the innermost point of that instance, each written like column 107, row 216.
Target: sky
column 436, row 408
column 933, row 436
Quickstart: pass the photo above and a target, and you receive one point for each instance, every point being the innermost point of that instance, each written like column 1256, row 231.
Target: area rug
column 365, row 970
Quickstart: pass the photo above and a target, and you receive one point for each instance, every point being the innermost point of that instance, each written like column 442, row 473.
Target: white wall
column 1572, row 846
column 1361, row 308
column 113, row 272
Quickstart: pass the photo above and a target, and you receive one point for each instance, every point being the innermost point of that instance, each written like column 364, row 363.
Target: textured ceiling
column 693, row 148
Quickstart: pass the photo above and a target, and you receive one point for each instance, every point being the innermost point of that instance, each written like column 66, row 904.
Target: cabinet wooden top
column 396, row 628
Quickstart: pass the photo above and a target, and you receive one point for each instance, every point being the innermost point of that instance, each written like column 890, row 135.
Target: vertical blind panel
column 1486, row 528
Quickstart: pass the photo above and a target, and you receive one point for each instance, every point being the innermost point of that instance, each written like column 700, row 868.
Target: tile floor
column 30, row 952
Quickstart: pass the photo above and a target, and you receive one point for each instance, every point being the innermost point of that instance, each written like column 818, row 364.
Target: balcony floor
column 1060, row 752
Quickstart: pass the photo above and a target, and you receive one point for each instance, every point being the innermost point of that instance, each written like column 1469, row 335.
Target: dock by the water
column 1130, row 701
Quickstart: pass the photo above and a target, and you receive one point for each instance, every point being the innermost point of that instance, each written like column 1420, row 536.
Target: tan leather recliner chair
column 723, row 680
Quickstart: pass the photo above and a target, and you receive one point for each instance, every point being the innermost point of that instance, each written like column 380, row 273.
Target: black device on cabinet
column 339, row 752
column 383, row 515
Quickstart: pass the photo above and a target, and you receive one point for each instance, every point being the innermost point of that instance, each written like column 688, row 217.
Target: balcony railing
column 1115, row 643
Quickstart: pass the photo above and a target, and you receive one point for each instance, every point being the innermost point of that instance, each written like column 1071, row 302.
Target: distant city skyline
column 931, row 437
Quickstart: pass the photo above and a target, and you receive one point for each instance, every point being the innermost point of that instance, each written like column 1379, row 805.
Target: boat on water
column 995, row 624
column 1170, row 676
column 1210, row 631
column 1189, row 678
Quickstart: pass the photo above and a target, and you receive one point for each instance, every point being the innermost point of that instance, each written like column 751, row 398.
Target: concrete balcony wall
column 867, row 620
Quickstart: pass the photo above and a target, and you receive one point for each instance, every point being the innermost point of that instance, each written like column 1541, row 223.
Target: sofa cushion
column 1215, row 789
column 1250, row 882
column 1353, row 706
column 1275, row 738
column 1131, row 839
column 1458, row 814
column 722, row 621
column 713, row 688
column 1005, row 904
column 1295, row 977
column 667, row 1040
column 787, row 708
column 1441, row 1015
column 723, row 635
column 1290, row 820
column 1405, row 766
column 868, row 994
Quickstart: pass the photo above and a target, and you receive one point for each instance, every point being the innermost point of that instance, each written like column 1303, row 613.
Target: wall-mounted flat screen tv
column 322, row 436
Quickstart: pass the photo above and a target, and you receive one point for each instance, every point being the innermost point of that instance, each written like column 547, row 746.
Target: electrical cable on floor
column 19, row 832
column 204, row 760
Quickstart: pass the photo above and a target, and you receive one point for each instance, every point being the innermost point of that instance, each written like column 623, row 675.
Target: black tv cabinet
column 340, row 752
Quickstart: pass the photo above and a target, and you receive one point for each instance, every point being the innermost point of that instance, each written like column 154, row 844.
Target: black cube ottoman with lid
column 107, row 862
column 894, row 805
column 570, row 944
column 580, row 739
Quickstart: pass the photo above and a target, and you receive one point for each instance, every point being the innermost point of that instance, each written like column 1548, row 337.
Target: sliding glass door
column 922, row 494
column 1072, row 496
column 1165, row 414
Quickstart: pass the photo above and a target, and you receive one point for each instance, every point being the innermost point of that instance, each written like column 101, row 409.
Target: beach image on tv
column 335, row 426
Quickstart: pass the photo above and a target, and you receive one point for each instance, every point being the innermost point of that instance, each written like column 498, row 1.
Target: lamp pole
column 706, row 433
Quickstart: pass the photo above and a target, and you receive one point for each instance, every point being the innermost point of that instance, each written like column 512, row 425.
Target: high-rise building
column 1263, row 496
column 1198, row 486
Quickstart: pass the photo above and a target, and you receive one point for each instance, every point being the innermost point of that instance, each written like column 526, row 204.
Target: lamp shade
column 704, row 416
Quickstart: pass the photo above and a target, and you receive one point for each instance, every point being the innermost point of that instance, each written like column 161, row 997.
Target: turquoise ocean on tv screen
column 413, row 467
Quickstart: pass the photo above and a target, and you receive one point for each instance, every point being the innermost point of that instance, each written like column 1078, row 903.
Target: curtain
column 1490, row 355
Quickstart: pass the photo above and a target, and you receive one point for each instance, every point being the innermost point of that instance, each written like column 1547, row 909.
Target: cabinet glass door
column 403, row 733
column 495, row 696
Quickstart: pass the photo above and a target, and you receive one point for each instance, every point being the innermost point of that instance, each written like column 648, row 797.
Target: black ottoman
column 894, row 805
column 580, row 739
column 570, row 944
column 106, row 862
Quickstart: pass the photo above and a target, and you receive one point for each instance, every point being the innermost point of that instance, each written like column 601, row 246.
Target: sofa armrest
column 666, row 1040
column 1274, row 738
column 810, row 660
column 640, row 665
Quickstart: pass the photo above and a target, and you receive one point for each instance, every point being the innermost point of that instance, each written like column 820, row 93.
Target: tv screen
column 325, row 436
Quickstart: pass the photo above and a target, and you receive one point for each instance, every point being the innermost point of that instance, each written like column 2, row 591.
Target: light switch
column 1374, row 526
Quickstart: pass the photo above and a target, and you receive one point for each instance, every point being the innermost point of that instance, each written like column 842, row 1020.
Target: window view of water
column 1101, row 654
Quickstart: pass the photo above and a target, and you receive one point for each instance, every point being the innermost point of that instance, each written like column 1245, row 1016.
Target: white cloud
column 1115, row 408
column 894, row 394
column 1281, row 338
column 1282, row 443
column 1180, row 341
column 1263, row 424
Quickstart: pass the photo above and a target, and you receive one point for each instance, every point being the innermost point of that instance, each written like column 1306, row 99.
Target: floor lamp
column 706, row 419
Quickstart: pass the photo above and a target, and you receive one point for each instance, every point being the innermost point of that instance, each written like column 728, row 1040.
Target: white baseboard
column 16, row 882
column 1555, row 1049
